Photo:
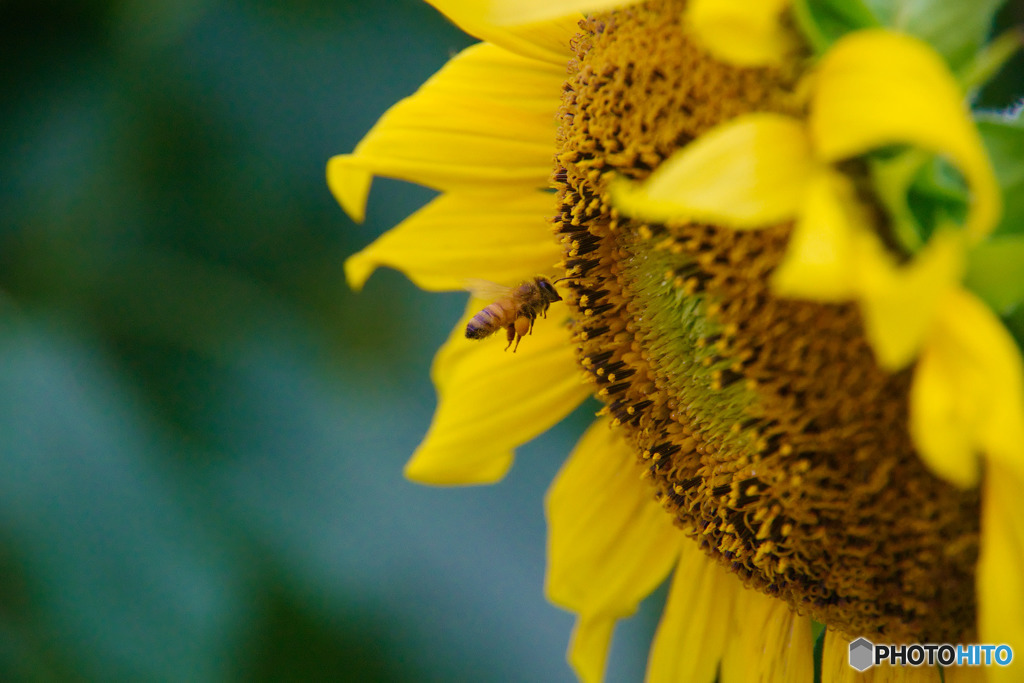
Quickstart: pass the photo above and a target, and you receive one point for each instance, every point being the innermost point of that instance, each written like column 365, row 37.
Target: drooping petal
column 899, row 303
column 876, row 88
column 609, row 542
column 694, row 628
column 943, row 423
column 490, row 401
column 835, row 667
column 459, row 236
column 742, row 32
column 486, row 119
column 769, row 643
column 967, row 398
column 588, row 648
column 818, row 263
column 999, row 576
column 749, row 172
column 483, row 14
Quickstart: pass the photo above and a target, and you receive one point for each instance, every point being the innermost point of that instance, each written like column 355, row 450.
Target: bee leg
column 523, row 327
column 510, row 334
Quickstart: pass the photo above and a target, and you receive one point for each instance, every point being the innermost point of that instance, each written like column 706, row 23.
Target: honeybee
column 515, row 308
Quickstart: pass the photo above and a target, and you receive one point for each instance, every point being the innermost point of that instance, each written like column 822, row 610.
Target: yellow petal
column 747, row 173
column 486, row 119
column 459, row 236
column 899, row 303
column 835, row 666
column 609, row 542
column 967, row 398
column 964, row 674
column 494, row 13
column 835, row 661
column 876, row 88
column 770, row 642
column 943, row 423
column 742, row 32
column 1000, row 577
column 588, row 649
column 350, row 183
column 491, row 401
column 695, row 626
column 818, row 264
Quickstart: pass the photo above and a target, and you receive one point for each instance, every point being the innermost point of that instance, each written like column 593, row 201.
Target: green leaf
column 995, row 271
column 1004, row 140
column 937, row 196
column 823, row 22
column 893, row 173
column 818, row 634
column 990, row 59
column 956, row 29
column 1015, row 324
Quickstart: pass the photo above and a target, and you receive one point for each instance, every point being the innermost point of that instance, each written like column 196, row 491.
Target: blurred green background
column 202, row 430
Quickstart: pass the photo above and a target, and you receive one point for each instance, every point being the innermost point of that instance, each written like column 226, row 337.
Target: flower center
column 764, row 423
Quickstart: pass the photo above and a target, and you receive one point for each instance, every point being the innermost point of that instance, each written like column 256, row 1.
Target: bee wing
column 485, row 289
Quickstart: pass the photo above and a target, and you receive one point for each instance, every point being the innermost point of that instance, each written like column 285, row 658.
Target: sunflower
column 786, row 260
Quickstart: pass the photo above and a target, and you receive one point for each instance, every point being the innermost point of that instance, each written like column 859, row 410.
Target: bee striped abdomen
column 489, row 320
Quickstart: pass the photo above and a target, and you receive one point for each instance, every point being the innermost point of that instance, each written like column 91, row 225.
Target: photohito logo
column 864, row 654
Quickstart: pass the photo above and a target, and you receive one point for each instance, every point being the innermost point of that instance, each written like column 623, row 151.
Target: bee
column 515, row 308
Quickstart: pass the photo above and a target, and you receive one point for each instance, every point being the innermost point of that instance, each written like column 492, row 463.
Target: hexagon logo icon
column 861, row 654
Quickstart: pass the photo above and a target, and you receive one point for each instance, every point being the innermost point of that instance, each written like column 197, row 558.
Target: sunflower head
column 766, row 425
column 784, row 255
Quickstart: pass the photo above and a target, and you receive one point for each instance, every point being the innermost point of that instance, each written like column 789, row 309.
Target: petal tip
column 427, row 466
column 632, row 199
column 750, row 34
column 349, row 184
column 358, row 269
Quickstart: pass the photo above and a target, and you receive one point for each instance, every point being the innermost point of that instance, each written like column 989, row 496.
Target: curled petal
column 490, row 402
column 818, row 263
column 968, row 393
column 876, row 88
column 742, row 32
column 747, row 173
column 899, row 303
column 461, row 236
column 486, row 119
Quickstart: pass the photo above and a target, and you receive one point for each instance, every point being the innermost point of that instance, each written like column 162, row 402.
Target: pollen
column 763, row 424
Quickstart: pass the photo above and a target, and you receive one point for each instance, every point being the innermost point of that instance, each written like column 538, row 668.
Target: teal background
column 202, row 430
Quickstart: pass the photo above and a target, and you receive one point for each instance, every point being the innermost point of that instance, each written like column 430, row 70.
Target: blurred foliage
column 201, row 429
